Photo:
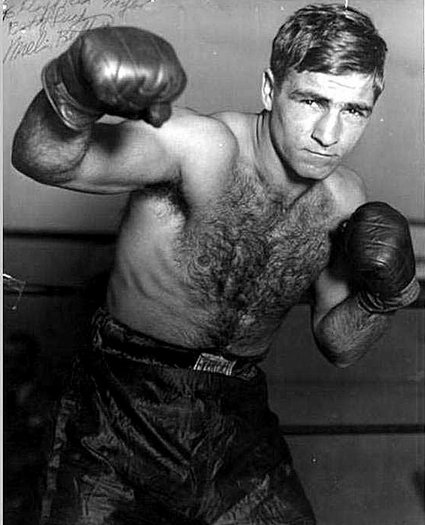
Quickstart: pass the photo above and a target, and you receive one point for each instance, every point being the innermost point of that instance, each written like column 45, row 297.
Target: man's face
column 317, row 118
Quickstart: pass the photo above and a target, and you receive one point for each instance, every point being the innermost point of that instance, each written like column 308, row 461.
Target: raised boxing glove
column 122, row 71
column 379, row 251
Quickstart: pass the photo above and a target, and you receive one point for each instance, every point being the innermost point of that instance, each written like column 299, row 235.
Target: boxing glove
column 379, row 252
column 122, row 71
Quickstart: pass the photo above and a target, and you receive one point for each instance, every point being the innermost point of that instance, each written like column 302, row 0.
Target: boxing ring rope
column 107, row 238
column 64, row 290
column 349, row 430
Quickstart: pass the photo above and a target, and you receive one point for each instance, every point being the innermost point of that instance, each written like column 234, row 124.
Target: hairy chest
column 251, row 254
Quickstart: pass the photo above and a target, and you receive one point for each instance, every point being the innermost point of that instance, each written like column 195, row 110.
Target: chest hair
column 252, row 254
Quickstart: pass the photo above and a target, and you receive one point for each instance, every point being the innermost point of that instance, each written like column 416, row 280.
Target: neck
column 270, row 167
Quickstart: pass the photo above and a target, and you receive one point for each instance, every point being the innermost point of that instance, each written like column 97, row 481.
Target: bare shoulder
column 206, row 150
column 233, row 119
column 348, row 190
column 185, row 131
column 238, row 123
column 195, row 130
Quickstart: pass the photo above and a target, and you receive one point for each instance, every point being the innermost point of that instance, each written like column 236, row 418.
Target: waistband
column 112, row 337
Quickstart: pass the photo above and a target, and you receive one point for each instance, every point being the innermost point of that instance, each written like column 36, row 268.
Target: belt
column 115, row 339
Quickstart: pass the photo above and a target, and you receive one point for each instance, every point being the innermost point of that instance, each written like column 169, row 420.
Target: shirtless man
column 231, row 218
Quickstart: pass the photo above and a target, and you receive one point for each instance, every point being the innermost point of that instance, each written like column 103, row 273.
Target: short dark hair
column 329, row 38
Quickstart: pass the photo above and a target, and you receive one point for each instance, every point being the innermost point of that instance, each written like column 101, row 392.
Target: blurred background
column 357, row 435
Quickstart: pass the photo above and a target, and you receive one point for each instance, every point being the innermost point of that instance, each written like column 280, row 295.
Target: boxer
column 231, row 218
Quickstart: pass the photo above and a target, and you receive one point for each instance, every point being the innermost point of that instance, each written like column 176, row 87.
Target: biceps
column 121, row 158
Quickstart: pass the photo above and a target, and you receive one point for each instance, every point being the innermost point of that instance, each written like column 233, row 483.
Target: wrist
column 72, row 113
column 379, row 303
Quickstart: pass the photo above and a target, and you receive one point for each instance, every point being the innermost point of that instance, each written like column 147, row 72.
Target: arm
column 372, row 276
column 342, row 329
column 104, row 158
column 118, row 71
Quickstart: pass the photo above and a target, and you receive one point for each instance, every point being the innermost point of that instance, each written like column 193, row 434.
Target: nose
column 327, row 129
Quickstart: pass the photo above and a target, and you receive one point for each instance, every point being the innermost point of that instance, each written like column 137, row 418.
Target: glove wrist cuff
column 74, row 115
column 376, row 303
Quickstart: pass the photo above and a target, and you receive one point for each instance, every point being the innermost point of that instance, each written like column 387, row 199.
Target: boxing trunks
column 154, row 434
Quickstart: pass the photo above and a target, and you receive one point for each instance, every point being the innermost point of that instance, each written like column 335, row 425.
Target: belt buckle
column 214, row 363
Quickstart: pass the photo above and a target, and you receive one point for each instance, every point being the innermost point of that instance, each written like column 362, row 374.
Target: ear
column 267, row 89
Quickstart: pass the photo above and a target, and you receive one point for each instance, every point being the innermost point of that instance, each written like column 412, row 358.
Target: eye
column 312, row 103
column 356, row 113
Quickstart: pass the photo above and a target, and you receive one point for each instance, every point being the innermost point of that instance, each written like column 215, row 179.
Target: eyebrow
column 363, row 108
column 298, row 94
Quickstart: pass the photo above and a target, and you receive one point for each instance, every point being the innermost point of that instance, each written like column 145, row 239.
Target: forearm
column 347, row 332
column 44, row 148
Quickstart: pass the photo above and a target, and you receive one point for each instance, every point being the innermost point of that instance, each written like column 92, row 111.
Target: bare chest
column 251, row 255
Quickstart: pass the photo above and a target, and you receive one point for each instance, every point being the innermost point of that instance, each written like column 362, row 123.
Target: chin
column 314, row 173
column 303, row 169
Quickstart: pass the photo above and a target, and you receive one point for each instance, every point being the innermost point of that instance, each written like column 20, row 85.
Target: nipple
column 204, row 260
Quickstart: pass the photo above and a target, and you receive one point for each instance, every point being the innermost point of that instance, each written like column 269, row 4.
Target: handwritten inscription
column 32, row 26
column 123, row 6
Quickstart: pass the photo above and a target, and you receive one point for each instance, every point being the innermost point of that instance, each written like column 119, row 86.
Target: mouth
column 320, row 154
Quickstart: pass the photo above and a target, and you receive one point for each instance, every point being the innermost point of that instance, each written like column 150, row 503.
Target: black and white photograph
column 213, row 262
